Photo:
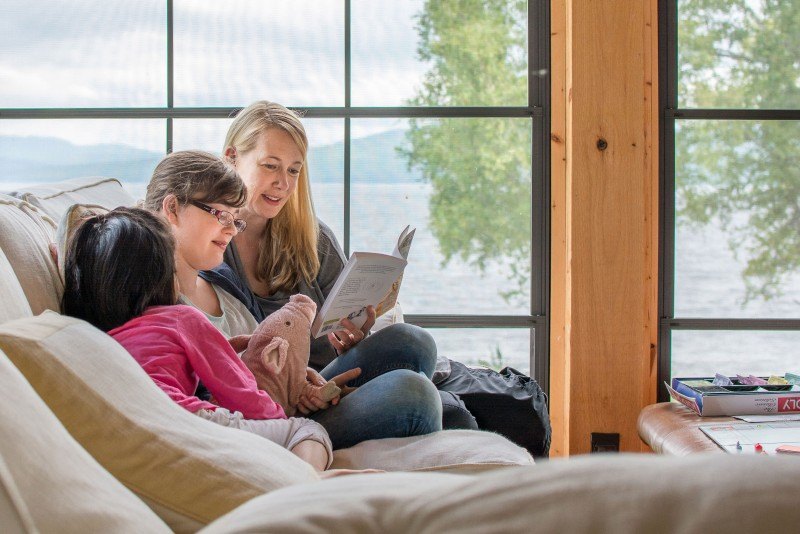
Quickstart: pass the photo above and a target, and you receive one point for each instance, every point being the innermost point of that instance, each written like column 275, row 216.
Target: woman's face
column 270, row 171
column 200, row 239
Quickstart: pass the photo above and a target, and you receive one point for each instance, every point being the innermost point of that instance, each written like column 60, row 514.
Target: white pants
column 285, row 432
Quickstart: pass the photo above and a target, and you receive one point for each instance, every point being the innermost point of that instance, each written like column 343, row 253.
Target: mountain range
column 51, row 159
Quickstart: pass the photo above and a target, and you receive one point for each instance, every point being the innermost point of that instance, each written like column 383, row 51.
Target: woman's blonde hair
column 287, row 251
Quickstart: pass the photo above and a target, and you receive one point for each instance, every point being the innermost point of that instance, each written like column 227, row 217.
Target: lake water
column 708, row 281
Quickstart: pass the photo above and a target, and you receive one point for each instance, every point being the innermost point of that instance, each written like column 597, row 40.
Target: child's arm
column 224, row 374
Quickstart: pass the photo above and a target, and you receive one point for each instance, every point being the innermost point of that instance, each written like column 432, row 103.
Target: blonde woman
column 286, row 250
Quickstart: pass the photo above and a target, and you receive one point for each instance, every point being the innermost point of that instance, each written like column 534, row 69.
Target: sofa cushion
column 54, row 199
column 189, row 469
column 25, row 236
column 14, row 515
column 49, row 479
column 590, row 494
column 15, row 305
column 70, row 220
column 462, row 451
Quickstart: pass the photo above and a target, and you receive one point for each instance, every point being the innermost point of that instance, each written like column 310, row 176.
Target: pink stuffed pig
column 277, row 354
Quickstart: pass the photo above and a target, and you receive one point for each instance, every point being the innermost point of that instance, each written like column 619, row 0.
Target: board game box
column 707, row 399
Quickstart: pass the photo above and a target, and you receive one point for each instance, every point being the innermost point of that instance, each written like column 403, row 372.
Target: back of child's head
column 197, row 175
column 117, row 265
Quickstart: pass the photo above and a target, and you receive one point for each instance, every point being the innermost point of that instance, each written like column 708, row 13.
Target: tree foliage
column 479, row 169
column 743, row 174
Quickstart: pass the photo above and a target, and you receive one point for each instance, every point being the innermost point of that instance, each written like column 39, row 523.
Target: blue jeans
column 395, row 397
column 399, row 346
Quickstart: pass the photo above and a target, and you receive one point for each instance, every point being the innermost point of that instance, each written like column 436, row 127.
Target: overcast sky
column 99, row 53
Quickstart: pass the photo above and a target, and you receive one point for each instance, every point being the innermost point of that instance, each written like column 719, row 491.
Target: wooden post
column 604, row 219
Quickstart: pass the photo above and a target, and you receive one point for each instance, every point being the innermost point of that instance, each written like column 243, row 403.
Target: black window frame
column 670, row 112
column 537, row 110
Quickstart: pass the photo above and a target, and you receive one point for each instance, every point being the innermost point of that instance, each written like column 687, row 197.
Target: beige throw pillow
column 54, row 199
column 191, row 470
column 51, row 484
column 25, row 238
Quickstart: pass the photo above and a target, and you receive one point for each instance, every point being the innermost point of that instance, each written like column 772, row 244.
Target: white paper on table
column 768, row 418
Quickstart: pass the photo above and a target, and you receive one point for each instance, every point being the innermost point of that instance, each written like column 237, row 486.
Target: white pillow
column 392, row 316
column 50, row 483
column 191, row 470
column 462, row 451
column 54, row 199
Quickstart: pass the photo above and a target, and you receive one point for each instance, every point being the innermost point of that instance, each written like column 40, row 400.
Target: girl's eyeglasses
column 225, row 218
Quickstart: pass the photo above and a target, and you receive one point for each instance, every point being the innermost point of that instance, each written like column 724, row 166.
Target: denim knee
column 415, row 344
column 416, row 396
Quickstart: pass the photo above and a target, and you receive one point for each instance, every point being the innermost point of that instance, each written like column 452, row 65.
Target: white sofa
column 90, row 444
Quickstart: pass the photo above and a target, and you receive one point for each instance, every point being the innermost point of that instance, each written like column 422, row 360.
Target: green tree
column 743, row 174
column 479, row 168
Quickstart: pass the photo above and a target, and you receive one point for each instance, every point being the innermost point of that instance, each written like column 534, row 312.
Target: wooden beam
column 559, row 263
column 605, row 230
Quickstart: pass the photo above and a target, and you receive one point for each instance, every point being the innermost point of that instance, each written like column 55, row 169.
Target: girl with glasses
column 195, row 191
column 200, row 195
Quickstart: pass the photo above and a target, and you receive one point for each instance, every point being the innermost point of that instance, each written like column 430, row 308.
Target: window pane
column 430, row 54
column 326, row 159
column 468, row 193
column 199, row 134
column 88, row 53
column 326, row 171
column 761, row 353
column 490, row 347
column 737, row 240
column 386, row 70
column 232, row 53
column 739, row 54
column 46, row 151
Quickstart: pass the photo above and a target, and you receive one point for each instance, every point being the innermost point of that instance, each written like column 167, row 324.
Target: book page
column 401, row 251
column 404, row 243
column 367, row 279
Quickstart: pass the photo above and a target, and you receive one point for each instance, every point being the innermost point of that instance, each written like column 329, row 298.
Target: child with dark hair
column 120, row 276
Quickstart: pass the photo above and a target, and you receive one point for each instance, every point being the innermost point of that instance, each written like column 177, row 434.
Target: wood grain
column 605, row 235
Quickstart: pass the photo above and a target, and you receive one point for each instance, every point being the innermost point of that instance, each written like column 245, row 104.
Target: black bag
column 508, row 403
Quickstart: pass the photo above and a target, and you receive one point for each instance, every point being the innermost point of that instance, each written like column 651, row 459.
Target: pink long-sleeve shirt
column 178, row 347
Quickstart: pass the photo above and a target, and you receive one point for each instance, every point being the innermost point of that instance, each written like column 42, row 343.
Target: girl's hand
column 312, row 404
column 344, row 340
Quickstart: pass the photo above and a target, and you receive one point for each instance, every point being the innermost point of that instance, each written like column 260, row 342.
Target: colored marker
column 759, row 448
column 738, row 446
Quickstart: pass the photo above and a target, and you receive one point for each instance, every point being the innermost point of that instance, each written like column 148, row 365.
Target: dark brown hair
column 198, row 175
column 117, row 265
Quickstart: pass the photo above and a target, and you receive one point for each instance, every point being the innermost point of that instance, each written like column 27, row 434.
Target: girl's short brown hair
column 197, row 175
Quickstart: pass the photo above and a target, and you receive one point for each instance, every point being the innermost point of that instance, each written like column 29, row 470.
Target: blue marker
column 738, row 446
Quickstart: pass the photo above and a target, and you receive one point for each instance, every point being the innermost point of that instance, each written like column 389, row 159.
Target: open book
column 368, row 278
